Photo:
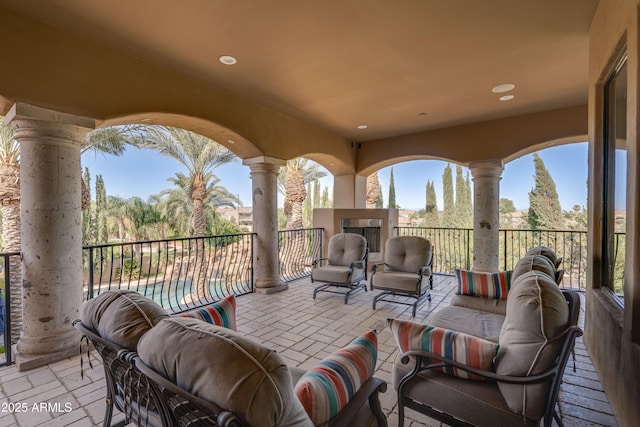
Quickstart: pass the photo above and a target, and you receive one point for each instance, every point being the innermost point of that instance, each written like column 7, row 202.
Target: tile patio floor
column 303, row 331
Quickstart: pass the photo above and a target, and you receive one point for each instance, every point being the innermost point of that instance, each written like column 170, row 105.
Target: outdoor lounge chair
column 344, row 267
column 406, row 271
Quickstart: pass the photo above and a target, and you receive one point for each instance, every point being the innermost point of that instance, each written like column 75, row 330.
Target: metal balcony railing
column 10, row 316
column 184, row 273
column 454, row 248
column 178, row 274
column 297, row 249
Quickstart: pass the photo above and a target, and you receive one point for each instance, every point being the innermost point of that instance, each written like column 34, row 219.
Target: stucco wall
column 612, row 334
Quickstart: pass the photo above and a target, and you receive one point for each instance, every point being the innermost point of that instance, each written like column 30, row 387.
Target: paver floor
column 303, row 331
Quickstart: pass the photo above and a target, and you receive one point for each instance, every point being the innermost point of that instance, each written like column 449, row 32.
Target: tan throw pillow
column 226, row 368
column 531, row 339
column 122, row 316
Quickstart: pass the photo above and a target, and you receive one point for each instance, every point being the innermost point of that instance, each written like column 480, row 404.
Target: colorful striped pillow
column 221, row 313
column 486, row 285
column 466, row 349
column 325, row 389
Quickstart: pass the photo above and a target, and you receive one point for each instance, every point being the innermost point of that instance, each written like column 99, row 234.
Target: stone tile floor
column 303, row 331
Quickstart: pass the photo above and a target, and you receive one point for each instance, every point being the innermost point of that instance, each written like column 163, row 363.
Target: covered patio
column 355, row 86
column 303, row 331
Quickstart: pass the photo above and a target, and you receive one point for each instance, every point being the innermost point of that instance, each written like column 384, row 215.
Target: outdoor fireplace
column 370, row 228
column 376, row 225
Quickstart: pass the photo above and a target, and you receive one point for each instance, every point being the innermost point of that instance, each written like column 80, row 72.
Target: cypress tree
column 101, row 211
column 544, row 206
column 380, row 201
column 392, row 192
column 448, row 212
column 431, row 217
column 316, row 193
column 325, row 198
column 307, row 209
column 87, row 216
column 467, row 205
column 459, row 198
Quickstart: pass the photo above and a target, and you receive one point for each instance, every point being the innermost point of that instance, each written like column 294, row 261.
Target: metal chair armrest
column 369, row 391
column 318, row 262
column 375, row 266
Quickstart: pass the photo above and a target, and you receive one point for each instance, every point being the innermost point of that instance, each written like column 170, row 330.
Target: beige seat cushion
column 397, row 281
column 478, row 323
column 226, row 368
column 531, row 339
column 477, row 402
column 491, row 305
column 331, row 274
column 122, row 316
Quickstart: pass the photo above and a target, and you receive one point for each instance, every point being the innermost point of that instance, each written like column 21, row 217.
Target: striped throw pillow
column 486, row 285
column 221, row 313
column 325, row 389
column 466, row 349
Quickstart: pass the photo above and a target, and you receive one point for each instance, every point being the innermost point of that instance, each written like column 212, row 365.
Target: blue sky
column 145, row 172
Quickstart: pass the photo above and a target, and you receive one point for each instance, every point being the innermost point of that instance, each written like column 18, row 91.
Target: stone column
column 266, row 265
column 51, row 231
column 486, row 214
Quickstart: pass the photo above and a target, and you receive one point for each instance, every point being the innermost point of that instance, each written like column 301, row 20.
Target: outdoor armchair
column 406, row 271
column 344, row 267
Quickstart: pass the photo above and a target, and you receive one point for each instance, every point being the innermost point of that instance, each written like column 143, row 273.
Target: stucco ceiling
column 397, row 66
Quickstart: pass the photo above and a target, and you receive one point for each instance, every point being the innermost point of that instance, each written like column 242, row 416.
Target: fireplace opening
column 371, row 229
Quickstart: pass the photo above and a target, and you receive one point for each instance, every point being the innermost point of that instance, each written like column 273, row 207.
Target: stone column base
column 25, row 362
column 272, row 289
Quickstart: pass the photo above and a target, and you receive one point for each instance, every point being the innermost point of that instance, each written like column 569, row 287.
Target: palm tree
column 176, row 205
column 292, row 182
column 199, row 155
column 10, row 208
column 112, row 140
column 373, row 190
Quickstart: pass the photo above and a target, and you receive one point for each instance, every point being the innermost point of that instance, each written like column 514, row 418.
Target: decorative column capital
column 487, row 169
column 264, row 164
column 47, row 126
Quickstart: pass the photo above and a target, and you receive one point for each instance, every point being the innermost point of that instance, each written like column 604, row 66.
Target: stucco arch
column 546, row 144
column 494, row 139
column 390, row 162
column 233, row 141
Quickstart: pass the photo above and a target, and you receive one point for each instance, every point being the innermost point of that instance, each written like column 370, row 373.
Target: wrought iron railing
column 179, row 274
column 454, row 249
column 10, row 309
column 297, row 250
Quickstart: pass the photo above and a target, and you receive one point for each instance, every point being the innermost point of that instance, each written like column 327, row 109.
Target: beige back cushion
column 122, row 316
column 531, row 339
column 407, row 253
column 345, row 248
column 226, row 368
column 545, row 252
column 533, row 262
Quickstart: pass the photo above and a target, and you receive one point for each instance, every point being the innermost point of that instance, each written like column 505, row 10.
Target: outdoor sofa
column 497, row 354
column 194, row 369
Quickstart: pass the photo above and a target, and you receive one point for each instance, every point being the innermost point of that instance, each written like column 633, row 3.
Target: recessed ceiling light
column 231, row 141
column 503, row 88
column 228, row 60
column 145, row 119
column 506, row 98
column 362, row 126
